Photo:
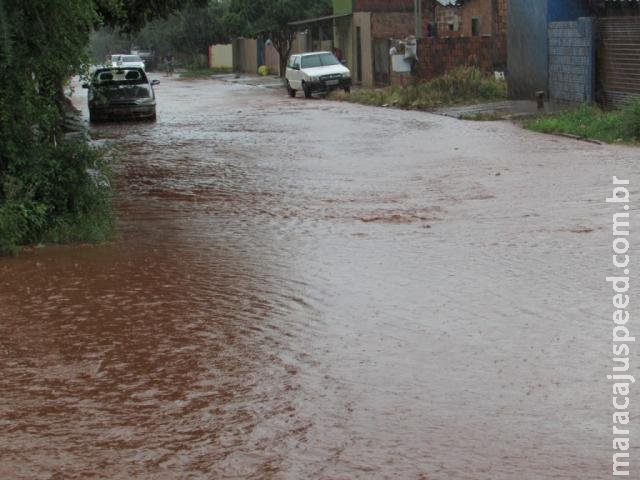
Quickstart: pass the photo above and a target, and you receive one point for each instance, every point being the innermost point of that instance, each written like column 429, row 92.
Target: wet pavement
column 301, row 289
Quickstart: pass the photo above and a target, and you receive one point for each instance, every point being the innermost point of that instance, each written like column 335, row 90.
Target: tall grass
column 459, row 86
column 589, row 121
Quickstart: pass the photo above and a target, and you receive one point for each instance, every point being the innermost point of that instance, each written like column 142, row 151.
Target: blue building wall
column 567, row 10
column 528, row 41
column 527, row 47
column 572, row 56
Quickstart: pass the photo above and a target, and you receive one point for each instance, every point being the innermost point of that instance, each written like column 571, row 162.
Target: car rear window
column 120, row 76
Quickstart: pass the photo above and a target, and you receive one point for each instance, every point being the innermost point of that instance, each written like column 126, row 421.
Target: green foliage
column 589, row 121
column 133, row 15
column 46, row 191
column 269, row 20
column 462, row 85
column 631, row 120
column 54, row 199
column 185, row 34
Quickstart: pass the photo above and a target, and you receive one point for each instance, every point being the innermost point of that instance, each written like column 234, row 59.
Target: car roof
column 311, row 53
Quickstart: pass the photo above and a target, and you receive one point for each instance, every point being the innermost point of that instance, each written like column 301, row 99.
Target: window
column 296, row 63
column 320, row 60
column 475, row 26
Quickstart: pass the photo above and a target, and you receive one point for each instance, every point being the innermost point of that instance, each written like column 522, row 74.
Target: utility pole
column 417, row 12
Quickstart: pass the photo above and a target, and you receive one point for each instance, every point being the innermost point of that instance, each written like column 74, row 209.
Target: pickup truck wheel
column 307, row 91
column 290, row 91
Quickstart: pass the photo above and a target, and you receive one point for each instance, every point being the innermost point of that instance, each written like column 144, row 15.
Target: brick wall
column 392, row 25
column 501, row 20
column 449, row 21
column 572, row 61
column 480, row 9
column 439, row 55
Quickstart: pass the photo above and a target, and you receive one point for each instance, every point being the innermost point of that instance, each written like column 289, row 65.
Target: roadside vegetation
column 463, row 85
column 587, row 121
column 187, row 33
column 53, row 187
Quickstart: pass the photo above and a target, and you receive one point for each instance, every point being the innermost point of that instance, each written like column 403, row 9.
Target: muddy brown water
column 303, row 289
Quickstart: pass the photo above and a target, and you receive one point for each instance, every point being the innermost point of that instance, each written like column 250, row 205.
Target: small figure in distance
column 169, row 64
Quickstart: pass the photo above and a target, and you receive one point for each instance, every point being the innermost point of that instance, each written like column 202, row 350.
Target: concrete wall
column 363, row 20
column 245, row 55
column 527, row 47
column 301, row 43
column 572, row 58
column 221, row 56
column 272, row 59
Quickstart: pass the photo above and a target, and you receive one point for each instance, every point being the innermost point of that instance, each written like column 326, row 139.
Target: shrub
column 55, row 199
column 461, row 85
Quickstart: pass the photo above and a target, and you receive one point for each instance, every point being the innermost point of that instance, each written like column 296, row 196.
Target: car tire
column 290, row 91
column 152, row 118
column 347, row 89
column 307, row 91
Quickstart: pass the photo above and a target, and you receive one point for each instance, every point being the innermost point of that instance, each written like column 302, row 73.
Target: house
column 471, row 18
column 364, row 32
column 574, row 50
column 528, row 41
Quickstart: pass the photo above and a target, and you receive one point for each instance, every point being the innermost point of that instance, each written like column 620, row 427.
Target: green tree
column 45, row 188
column 270, row 20
column 187, row 33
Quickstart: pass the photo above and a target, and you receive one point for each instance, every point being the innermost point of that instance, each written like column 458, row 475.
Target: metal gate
column 619, row 60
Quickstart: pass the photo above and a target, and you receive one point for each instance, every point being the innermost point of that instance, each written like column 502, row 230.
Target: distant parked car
column 116, row 93
column 316, row 72
column 146, row 56
column 125, row 60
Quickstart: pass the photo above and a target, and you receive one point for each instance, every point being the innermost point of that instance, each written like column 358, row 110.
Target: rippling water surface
column 303, row 289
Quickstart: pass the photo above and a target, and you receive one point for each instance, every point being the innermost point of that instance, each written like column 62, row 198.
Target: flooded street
column 304, row 289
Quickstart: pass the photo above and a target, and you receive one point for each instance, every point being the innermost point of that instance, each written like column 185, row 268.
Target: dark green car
column 121, row 93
